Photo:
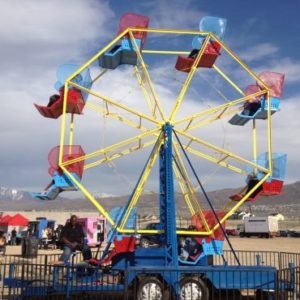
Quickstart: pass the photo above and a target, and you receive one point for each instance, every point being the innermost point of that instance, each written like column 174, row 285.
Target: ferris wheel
column 172, row 137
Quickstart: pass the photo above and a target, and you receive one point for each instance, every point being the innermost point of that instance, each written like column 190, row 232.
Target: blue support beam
column 167, row 198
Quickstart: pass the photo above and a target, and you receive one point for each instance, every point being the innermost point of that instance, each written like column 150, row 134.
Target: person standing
column 72, row 238
column 44, row 241
column 13, row 237
column 2, row 244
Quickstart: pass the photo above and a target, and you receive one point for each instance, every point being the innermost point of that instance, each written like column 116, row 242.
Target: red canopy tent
column 16, row 220
column 4, row 220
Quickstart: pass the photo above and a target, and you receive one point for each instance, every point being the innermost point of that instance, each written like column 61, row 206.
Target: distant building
column 278, row 216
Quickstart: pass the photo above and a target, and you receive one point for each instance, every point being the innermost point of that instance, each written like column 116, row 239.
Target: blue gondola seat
column 125, row 53
column 260, row 113
column 60, row 181
column 254, row 110
column 120, row 54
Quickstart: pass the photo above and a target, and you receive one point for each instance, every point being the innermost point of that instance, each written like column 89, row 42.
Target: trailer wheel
column 150, row 288
column 193, row 289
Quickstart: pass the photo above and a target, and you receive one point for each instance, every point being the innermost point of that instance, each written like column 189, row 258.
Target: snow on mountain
column 12, row 194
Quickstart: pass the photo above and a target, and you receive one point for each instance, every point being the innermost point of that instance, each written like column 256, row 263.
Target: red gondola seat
column 215, row 25
column 75, row 98
column 211, row 222
column 211, row 53
column 272, row 188
column 75, row 105
column 124, row 245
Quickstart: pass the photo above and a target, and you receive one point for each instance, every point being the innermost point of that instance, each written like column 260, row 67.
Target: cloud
column 286, row 132
column 176, row 14
column 290, row 67
column 35, row 34
column 258, row 52
column 53, row 21
column 53, row 33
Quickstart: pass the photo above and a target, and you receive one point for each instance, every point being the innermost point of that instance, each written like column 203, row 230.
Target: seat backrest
column 75, row 151
column 213, row 24
column 64, row 71
column 274, row 81
column 252, row 89
column 135, row 21
column 279, row 161
column 210, row 24
column 211, row 221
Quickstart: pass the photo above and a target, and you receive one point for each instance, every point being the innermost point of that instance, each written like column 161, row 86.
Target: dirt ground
column 251, row 244
column 260, row 244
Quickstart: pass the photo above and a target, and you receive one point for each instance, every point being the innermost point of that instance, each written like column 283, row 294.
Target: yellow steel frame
column 218, row 108
column 142, row 180
column 144, row 68
column 189, row 79
column 182, row 127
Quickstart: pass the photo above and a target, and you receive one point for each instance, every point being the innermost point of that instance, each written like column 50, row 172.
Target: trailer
column 260, row 226
column 175, row 269
column 181, row 266
column 94, row 229
column 35, row 228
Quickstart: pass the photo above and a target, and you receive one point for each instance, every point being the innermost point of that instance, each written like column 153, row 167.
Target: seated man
column 252, row 181
column 72, row 238
column 190, row 248
column 52, row 100
column 193, row 54
column 250, row 108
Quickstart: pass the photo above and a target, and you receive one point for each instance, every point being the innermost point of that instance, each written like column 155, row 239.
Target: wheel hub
column 190, row 291
column 151, row 291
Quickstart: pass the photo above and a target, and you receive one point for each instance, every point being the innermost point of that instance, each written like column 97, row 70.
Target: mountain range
column 288, row 203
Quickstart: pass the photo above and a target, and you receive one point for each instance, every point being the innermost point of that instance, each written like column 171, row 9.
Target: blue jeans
column 67, row 252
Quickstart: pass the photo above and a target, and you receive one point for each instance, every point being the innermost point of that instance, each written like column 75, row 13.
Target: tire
column 193, row 289
column 265, row 295
column 150, row 288
column 144, row 243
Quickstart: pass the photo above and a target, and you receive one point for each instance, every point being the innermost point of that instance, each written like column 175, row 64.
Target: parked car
column 284, row 233
column 232, row 232
column 294, row 233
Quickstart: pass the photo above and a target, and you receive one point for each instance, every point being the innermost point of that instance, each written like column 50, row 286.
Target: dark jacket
column 72, row 233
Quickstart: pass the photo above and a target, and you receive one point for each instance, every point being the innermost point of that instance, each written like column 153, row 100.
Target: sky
column 37, row 36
